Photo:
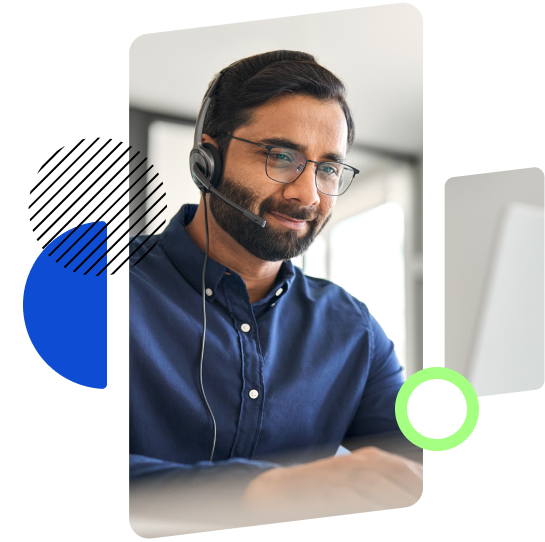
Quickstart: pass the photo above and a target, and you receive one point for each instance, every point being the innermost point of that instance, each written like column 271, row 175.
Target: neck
column 258, row 275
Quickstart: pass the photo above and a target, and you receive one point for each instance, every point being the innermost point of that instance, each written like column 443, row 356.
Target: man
column 291, row 363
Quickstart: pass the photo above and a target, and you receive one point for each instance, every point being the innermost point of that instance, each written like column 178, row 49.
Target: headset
column 206, row 166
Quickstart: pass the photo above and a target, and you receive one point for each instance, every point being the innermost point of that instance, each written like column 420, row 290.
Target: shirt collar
column 188, row 259
column 186, row 256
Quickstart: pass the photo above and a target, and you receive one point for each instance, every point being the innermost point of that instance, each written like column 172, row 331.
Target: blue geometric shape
column 66, row 312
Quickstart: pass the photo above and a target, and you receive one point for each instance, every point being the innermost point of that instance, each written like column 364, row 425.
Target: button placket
column 245, row 323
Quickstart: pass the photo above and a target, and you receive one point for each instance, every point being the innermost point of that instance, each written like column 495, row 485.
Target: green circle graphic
column 466, row 440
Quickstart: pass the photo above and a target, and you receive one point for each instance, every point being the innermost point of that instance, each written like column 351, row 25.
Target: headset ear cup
column 216, row 157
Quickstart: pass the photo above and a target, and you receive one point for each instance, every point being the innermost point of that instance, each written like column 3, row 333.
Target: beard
column 265, row 243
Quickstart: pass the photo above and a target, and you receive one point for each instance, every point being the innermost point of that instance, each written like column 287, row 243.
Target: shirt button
column 245, row 328
column 209, row 291
column 279, row 291
column 273, row 304
column 254, row 394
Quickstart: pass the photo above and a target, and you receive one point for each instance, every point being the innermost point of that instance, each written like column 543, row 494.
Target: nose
column 304, row 188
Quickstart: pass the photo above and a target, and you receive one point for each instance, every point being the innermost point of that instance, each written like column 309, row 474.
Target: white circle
column 437, row 408
column 279, row 291
column 245, row 328
column 254, row 394
column 208, row 291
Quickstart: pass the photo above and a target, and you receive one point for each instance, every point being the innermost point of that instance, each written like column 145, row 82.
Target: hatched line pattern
column 137, row 187
column 76, row 245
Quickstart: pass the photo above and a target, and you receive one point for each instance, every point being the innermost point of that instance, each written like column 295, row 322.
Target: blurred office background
column 436, row 90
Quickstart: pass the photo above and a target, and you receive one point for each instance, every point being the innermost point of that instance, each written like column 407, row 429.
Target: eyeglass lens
column 285, row 165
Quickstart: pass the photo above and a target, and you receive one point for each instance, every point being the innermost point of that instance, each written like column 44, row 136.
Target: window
column 367, row 260
column 169, row 148
column 315, row 259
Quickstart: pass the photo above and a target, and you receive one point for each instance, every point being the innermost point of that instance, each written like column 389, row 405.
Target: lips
column 290, row 223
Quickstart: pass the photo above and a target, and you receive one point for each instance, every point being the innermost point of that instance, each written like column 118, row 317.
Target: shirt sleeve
column 189, row 498
column 376, row 411
column 236, row 470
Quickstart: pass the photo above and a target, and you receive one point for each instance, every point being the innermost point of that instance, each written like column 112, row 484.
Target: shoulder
column 142, row 248
column 324, row 294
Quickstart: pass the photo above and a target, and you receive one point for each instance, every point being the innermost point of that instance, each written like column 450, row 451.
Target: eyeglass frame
column 318, row 164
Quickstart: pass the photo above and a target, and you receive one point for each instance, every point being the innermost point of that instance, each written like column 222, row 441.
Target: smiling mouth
column 290, row 223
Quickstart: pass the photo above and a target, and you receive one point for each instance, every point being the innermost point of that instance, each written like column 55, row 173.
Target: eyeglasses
column 284, row 165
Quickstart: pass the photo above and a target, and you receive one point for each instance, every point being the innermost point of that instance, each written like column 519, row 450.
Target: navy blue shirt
column 301, row 370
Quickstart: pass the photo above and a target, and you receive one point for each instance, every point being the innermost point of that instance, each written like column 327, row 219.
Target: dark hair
column 253, row 81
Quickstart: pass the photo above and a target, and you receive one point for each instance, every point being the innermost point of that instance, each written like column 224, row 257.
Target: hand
column 368, row 479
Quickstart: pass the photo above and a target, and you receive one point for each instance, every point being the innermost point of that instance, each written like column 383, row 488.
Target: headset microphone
column 198, row 177
column 205, row 167
column 205, row 160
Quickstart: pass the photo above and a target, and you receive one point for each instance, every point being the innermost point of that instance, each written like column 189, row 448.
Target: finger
column 382, row 491
column 374, row 452
column 402, row 472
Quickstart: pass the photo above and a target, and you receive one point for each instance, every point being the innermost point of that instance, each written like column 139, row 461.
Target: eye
column 281, row 157
column 329, row 169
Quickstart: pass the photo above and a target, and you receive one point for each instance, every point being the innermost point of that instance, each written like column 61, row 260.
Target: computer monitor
column 507, row 353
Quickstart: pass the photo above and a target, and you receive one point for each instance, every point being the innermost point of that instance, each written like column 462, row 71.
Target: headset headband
column 204, row 108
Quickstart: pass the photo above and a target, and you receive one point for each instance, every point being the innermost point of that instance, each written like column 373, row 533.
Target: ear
column 216, row 160
column 207, row 139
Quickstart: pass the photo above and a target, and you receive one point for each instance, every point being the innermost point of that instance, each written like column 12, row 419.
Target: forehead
column 317, row 125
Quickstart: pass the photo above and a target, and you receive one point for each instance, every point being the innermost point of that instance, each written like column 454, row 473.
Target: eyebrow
column 281, row 142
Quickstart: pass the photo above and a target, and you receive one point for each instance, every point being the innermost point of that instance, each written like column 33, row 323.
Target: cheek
column 251, row 175
column 266, row 189
column 270, row 194
column 326, row 205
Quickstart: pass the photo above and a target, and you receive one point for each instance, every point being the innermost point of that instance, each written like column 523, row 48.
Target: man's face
column 295, row 212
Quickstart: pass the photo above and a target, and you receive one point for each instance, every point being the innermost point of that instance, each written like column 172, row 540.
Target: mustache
column 290, row 210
